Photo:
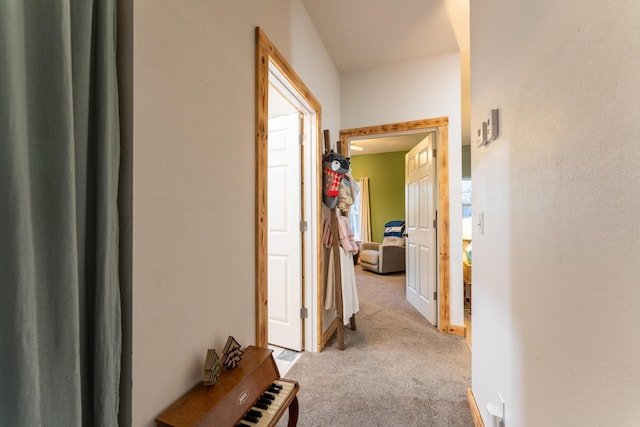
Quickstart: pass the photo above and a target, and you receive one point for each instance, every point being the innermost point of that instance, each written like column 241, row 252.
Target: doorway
column 467, row 235
column 439, row 125
column 288, row 125
column 272, row 70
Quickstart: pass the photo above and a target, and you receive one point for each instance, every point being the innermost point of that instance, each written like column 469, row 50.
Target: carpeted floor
column 396, row 369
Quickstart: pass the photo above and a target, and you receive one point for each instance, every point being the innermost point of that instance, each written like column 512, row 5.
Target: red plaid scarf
column 335, row 181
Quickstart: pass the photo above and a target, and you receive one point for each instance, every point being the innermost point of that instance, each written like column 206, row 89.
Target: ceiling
column 387, row 144
column 363, row 34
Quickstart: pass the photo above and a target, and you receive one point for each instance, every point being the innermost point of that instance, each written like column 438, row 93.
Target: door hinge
column 303, row 226
column 435, row 152
column 435, row 295
column 302, row 139
column 304, row 313
column 435, row 223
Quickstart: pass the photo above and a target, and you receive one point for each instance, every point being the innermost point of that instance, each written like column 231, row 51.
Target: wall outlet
column 497, row 411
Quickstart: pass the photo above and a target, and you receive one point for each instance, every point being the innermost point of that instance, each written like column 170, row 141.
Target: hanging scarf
column 333, row 182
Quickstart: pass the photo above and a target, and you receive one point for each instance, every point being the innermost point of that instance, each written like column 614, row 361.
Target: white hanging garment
column 350, row 303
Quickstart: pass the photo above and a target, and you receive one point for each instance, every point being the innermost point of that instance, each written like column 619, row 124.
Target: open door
column 284, row 237
column 271, row 68
column 421, row 246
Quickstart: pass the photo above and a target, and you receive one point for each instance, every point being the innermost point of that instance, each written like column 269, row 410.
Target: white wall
column 193, row 280
column 556, row 283
column 458, row 12
column 416, row 90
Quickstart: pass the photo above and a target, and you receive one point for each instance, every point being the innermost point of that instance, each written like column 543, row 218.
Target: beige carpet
column 396, row 370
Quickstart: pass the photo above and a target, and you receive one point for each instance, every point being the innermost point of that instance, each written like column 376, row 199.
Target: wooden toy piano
column 252, row 394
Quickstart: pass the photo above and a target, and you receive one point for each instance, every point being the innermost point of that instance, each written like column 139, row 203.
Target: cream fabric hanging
column 350, row 302
column 365, row 210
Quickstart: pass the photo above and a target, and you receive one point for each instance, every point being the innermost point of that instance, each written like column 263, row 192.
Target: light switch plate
column 492, row 125
column 481, row 137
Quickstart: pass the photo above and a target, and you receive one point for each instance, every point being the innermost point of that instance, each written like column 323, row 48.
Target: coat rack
column 335, row 248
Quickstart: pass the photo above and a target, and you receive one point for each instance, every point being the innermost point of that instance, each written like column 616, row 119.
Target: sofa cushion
column 370, row 257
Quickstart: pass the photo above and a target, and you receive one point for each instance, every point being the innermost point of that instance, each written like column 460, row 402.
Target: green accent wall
column 386, row 187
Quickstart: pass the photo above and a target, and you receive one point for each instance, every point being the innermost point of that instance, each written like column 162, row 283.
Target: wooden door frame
column 441, row 126
column 266, row 53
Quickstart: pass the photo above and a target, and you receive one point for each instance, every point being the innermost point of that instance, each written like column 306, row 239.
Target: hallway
column 396, row 369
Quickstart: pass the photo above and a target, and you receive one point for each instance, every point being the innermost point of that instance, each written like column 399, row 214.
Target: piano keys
column 249, row 387
column 267, row 406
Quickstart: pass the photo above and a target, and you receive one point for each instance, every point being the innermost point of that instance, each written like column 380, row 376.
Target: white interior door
column 285, row 243
column 421, row 240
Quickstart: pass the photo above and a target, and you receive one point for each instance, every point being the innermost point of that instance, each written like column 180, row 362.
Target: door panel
column 278, row 295
column 284, row 252
column 421, row 276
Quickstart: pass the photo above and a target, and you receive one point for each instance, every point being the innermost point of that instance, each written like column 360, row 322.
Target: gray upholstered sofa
column 385, row 257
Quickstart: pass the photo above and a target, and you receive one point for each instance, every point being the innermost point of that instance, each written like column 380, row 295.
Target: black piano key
column 261, row 405
column 251, row 419
column 268, row 396
column 278, row 386
column 266, row 402
column 273, row 390
column 254, row 413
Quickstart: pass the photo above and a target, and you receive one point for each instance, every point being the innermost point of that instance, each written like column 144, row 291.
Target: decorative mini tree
column 212, row 366
column 232, row 353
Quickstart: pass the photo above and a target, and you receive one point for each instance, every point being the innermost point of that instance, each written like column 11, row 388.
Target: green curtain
column 60, row 327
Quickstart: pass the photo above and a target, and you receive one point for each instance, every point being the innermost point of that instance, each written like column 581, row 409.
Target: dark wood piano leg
column 293, row 413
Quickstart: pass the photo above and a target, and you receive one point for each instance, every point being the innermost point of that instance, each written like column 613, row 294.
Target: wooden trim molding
column 457, row 330
column 436, row 123
column 444, row 293
column 333, row 327
column 441, row 126
column 262, row 102
column 266, row 53
column 473, row 407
